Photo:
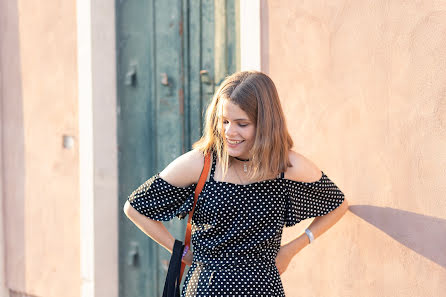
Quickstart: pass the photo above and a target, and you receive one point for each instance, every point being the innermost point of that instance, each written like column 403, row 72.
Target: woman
column 256, row 186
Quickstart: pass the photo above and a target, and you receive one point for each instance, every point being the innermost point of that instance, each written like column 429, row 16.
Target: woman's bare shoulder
column 184, row 170
column 303, row 169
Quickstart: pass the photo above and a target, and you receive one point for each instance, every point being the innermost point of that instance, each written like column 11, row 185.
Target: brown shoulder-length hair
column 255, row 93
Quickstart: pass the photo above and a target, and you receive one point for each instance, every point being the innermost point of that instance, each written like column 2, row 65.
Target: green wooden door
column 171, row 54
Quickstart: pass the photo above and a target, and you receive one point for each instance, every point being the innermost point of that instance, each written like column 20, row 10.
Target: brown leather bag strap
column 199, row 187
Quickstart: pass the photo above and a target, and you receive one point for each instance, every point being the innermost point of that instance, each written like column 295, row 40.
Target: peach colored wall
column 41, row 187
column 362, row 84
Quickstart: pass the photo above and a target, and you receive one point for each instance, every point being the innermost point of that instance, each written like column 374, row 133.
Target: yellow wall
column 362, row 84
column 41, row 184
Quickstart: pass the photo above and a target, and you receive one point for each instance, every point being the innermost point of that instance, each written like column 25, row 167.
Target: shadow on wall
column 423, row 234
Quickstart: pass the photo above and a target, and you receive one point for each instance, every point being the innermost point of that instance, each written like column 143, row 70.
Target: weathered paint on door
column 168, row 53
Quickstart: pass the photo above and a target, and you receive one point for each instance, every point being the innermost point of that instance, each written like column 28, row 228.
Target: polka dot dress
column 236, row 229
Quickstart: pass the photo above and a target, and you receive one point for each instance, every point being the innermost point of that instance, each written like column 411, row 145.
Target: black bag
column 172, row 284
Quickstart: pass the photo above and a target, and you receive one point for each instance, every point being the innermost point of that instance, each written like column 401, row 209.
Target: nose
column 229, row 130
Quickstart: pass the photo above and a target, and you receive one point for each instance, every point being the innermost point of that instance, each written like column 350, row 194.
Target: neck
column 246, row 166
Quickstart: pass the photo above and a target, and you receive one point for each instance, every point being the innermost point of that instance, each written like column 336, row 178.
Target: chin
column 233, row 153
column 239, row 154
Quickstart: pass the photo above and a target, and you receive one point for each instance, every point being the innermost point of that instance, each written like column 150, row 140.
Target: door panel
column 162, row 47
column 136, row 162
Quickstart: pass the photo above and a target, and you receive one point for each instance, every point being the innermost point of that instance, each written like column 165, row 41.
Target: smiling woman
column 246, row 107
column 256, row 186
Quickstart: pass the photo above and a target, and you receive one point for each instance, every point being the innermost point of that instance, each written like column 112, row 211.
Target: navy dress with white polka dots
column 236, row 229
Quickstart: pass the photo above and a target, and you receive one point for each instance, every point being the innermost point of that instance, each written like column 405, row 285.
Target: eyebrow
column 237, row 120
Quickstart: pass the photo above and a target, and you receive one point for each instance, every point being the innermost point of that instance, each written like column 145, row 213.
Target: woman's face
column 238, row 130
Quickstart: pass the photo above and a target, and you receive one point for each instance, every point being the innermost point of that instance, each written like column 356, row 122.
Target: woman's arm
column 318, row 226
column 154, row 229
column 182, row 172
column 305, row 170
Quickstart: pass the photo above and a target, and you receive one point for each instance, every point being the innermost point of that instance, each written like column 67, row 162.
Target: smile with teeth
column 234, row 141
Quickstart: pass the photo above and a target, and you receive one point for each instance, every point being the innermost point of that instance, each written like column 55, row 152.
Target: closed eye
column 240, row 124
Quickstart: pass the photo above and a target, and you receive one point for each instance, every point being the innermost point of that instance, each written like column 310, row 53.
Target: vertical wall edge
column 97, row 148
column 250, row 35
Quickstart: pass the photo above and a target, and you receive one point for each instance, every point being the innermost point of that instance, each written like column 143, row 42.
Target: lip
column 233, row 145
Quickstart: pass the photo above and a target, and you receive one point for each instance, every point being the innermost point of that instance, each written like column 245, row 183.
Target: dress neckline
column 253, row 183
column 269, row 180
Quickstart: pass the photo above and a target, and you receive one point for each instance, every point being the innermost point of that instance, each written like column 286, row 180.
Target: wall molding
column 250, row 39
column 97, row 148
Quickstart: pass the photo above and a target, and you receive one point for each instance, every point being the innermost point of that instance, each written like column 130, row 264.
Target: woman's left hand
column 188, row 258
column 284, row 256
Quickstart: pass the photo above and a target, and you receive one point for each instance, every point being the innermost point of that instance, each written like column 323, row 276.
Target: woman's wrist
column 299, row 243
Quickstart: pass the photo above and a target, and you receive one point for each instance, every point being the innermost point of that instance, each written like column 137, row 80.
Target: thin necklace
column 238, row 176
column 245, row 167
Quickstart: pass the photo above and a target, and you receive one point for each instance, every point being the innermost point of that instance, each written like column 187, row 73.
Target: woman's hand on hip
column 284, row 257
column 187, row 259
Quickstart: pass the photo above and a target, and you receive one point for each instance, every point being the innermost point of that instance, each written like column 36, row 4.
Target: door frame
column 98, row 172
column 98, row 156
column 253, row 35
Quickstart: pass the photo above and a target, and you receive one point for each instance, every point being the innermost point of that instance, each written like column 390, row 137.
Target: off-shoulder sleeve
column 311, row 199
column 161, row 201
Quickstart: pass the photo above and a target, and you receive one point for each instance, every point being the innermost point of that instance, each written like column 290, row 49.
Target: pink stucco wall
column 40, row 187
column 362, row 84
